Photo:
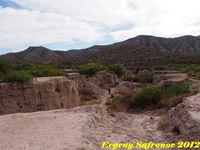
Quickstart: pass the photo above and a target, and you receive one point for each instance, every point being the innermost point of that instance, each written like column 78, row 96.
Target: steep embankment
column 86, row 127
column 42, row 94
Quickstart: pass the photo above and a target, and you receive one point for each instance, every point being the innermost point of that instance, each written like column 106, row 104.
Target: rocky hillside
column 141, row 50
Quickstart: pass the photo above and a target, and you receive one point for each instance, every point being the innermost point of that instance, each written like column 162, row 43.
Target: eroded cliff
column 41, row 94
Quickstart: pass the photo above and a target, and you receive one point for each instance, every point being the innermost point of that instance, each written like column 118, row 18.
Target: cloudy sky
column 69, row 24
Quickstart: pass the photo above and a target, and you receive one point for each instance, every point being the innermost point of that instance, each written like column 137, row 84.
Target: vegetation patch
column 92, row 68
column 153, row 97
column 198, row 76
column 116, row 69
column 178, row 88
column 146, row 97
column 25, row 72
column 46, row 70
column 18, row 76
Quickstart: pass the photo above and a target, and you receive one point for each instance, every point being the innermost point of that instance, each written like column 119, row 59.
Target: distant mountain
column 141, row 50
column 38, row 55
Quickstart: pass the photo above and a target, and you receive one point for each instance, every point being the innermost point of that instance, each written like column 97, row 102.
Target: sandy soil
column 80, row 128
column 42, row 79
column 51, row 130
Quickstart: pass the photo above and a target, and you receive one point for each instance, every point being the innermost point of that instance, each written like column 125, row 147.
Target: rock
column 87, row 87
column 128, row 73
column 179, row 77
column 79, row 79
column 168, row 79
column 186, row 116
column 105, row 79
column 125, row 88
column 144, row 76
column 43, row 94
column 90, row 91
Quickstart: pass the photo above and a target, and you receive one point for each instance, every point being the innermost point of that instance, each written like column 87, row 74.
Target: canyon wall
column 41, row 94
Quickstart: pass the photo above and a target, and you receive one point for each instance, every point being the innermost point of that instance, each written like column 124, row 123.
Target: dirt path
column 81, row 128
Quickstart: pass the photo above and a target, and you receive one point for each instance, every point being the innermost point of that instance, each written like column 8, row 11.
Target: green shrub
column 25, row 66
column 198, row 76
column 25, row 71
column 116, row 69
column 5, row 67
column 46, row 70
column 190, row 68
column 146, row 97
column 178, row 88
column 18, row 76
column 91, row 69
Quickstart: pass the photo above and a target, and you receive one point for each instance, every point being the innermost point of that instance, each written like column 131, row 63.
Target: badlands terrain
column 156, row 99
column 75, row 113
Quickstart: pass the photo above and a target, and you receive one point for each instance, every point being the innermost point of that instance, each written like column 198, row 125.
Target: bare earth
column 81, row 128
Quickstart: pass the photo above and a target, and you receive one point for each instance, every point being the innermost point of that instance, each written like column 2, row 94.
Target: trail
column 122, row 127
column 80, row 128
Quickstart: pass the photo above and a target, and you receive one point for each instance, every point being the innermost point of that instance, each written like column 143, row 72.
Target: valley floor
column 80, row 128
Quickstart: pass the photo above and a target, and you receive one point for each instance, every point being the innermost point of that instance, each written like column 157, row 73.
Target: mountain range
column 140, row 50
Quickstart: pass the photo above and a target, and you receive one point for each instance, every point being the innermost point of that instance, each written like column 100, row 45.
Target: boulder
column 105, row 79
column 144, row 76
column 185, row 117
column 125, row 88
column 43, row 94
column 170, row 77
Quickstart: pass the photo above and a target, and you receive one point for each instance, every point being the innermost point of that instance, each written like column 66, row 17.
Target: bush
column 120, row 103
column 5, row 67
column 18, row 76
column 189, row 68
column 25, row 66
column 146, row 97
column 178, row 88
column 91, row 69
column 25, row 71
column 46, row 70
column 198, row 76
column 116, row 69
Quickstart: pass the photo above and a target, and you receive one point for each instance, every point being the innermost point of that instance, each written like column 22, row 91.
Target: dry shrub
column 120, row 103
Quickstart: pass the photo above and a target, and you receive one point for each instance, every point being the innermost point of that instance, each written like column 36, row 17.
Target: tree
column 5, row 67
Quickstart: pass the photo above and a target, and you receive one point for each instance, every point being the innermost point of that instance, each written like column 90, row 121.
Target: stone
column 125, row 88
column 105, row 79
column 144, row 76
column 186, row 116
column 43, row 94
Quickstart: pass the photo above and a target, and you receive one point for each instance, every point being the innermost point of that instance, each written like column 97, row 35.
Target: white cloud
column 23, row 26
column 108, row 13
column 51, row 21
column 168, row 18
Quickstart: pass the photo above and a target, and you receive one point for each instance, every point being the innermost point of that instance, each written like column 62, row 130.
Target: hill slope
column 142, row 50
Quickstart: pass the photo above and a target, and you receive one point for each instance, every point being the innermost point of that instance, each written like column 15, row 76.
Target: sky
column 76, row 24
